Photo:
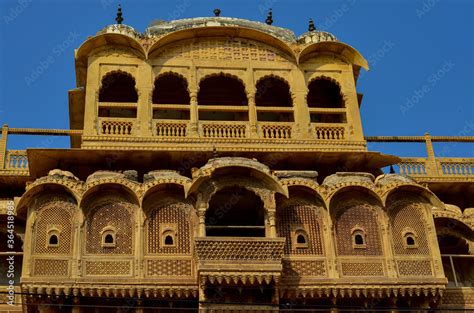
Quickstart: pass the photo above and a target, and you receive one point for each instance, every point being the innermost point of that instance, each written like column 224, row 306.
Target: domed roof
column 168, row 27
column 163, row 28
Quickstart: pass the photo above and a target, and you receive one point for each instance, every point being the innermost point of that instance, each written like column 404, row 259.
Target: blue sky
column 420, row 53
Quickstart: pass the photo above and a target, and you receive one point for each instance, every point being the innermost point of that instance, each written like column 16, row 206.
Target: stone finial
column 269, row 19
column 119, row 17
column 217, row 12
column 311, row 26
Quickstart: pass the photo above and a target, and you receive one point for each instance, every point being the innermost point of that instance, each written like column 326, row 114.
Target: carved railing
column 224, row 129
column 16, row 160
column 439, row 167
column 170, row 128
column 455, row 166
column 413, row 167
column 239, row 249
column 276, row 130
column 116, row 126
column 330, row 131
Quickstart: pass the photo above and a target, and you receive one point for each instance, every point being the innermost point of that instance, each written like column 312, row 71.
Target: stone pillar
column 3, row 146
column 139, row 246
column 202, row 220
column 432, row 166
column 91, row 114
column 193, row 114
column 272, row 223
column 77, row 247
column 27, row 247
column 302, row 118
column 252, row 113
column 76, row 305
column 144, row 84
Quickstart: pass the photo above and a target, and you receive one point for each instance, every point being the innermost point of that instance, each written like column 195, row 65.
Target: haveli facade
column 219, row 164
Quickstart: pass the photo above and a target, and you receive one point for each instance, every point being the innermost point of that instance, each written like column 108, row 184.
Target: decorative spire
column 311, row 26
column 269, row 19
column 119, row 17
column 392, row 171
column 217, row 12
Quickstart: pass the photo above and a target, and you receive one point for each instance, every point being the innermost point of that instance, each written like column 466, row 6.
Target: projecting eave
column 346, row 52
column 84, row 162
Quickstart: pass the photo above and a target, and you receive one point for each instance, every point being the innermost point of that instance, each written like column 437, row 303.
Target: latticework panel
column 108, row 268
column 296, row 269
column 407, row 216
column 414, row 268
column 50, row 267
column 295, row 215
column 54, row 214
column 362, row 269
column 171, row 214
column 169, row 267
column 226, row 49
column 361, row 216
column 111, row 214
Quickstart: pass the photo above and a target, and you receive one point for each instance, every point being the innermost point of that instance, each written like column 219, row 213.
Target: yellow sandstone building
column 219, row 165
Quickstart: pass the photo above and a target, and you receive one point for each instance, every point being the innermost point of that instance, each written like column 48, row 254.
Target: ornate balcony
column 244, row 259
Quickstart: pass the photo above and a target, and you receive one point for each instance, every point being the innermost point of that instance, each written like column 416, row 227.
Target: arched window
column 358, row 238
column 226, row 92
column 53, row 240
column 168, row 237
column 324, row 93
column 409, row 238
column 300, row 239
column 169, row 240
column 235, row 212
column 273, row 92
column 170, row 89
column 109, row 237
column 118, row 87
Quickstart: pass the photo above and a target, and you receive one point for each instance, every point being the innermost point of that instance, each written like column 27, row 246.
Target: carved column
column 387, row 244
column 3, row 146
column 329, row 241
column 144, row 109
column 202, row 219
column 139, row 245
column 272, row 223
column 77, row 248
column 27, row 245
column 252, row 113
column 77, row 305
column 193, row 114
column 302, row 118
column 91, row 114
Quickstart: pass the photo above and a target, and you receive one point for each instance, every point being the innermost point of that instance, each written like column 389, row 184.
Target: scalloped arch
column 38, row 189
column 223, row 31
